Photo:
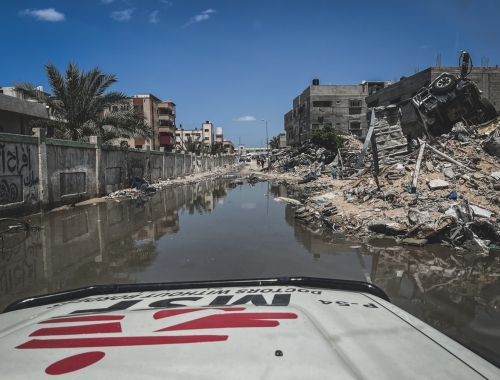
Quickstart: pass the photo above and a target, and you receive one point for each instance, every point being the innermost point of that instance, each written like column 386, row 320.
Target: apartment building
column 160, row 115
column 205, row 135
column 487, row 80
column 166, row 127
column 341, row 106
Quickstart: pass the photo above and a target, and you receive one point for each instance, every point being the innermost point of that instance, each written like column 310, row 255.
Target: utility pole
column 267, row 145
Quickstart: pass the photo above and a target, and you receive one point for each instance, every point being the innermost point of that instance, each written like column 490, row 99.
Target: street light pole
column 267, row 145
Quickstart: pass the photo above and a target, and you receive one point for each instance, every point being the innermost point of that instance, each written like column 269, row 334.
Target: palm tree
column 275, row 142
column 193, row 145
column 80, row 107
column 216, row 148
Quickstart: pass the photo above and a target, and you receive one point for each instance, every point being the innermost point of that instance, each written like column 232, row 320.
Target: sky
column 236, row 62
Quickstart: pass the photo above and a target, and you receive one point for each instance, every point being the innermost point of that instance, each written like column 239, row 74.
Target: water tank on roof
column 315, row 82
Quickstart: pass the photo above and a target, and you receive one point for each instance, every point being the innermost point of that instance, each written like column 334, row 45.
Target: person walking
column 262, row 162
column 258, row 162
column 334, row 172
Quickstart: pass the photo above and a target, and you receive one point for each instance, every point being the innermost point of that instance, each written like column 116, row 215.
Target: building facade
column 487, row 80
column 160, row 115
column 205, row 135
column 166, row 126
column 341, row 106
column 16, row 112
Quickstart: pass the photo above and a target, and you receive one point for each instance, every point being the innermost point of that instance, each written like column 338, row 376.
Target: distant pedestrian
column 258, row 162
column 339, row 173
column 334, row 172
column 262, row 162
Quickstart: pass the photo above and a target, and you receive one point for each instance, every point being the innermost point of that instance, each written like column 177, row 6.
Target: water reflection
column 84, row 245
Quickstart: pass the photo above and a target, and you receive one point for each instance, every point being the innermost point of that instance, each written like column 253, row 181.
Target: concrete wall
column 19, row 179
column 38, row 174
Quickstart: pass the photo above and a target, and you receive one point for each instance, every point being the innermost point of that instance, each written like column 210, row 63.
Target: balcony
column 167, row 140
column 166, row 129
column 166, row 117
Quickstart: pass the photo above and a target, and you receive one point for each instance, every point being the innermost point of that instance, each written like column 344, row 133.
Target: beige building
column 161, row 116
column 205, row 135
column 166, row 127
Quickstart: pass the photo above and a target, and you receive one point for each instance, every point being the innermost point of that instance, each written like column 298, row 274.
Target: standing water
column 209, row 231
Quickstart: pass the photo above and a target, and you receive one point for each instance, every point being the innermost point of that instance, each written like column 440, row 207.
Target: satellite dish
column 363, row 81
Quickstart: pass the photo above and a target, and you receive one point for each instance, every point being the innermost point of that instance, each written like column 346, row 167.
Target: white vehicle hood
column 269, row 332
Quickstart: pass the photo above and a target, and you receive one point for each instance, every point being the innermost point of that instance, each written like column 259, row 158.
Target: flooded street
column 209, row 231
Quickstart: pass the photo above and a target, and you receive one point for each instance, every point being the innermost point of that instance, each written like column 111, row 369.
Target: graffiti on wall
column 17, row 169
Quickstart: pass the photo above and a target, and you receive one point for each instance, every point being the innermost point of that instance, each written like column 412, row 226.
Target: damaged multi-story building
column 341, row 106
column 401, row 92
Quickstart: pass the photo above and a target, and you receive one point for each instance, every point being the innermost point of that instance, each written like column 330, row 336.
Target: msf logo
column 96, row 329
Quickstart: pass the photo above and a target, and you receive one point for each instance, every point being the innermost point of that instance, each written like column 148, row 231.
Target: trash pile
column 140, row 188
column 447, row 191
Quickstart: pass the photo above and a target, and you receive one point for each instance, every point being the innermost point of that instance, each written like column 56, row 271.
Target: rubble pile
column 310, row 161
column 447, row 191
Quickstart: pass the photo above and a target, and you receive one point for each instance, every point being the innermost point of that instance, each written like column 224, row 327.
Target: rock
column 415, row 217
column 414, row 242
column 387, row 227
column 437, row 184
column 495, row 175
column 448, row 173
column 429, row 166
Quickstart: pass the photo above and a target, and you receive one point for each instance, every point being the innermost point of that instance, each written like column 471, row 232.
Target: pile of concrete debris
column 447, row 191
column 309, row 161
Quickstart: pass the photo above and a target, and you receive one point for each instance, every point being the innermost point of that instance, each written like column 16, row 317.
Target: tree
column 275, row 142
column 192, row 145
column 327, row 138
column 80, row 108
column 216, row 148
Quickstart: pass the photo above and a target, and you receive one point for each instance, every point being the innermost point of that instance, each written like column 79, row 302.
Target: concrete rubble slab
column 437, row 184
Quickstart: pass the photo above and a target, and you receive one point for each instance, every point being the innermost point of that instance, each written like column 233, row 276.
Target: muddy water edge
column 209, row 231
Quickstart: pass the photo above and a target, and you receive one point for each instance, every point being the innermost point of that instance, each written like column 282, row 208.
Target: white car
column 283, row 328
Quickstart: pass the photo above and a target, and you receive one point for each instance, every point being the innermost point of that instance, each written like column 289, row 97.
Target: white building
column 205, row 134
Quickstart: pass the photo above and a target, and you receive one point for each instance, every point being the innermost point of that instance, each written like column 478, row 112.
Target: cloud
column 49, row 14
column 153, row 17
column 124, row 15
column 202, row 16
column 244, row 118
column 107, row 1
column 167, row 3
column 423, row 47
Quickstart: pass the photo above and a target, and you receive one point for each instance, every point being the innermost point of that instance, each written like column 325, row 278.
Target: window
column 355, row 128
column 115, row 108
column 188, row 134
column 206, row 130
column 177, row 134
column 337, row 102
column 207, row 138
column 322, row 104
column 355, row 103
column 197, row 134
